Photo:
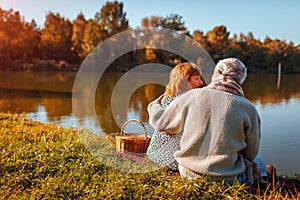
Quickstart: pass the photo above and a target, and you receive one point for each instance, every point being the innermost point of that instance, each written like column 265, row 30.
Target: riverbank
column 44, row 161
column 41, row 65
column 63, row 66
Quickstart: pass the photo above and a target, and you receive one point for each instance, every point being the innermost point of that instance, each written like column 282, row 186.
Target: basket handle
column 134, row 120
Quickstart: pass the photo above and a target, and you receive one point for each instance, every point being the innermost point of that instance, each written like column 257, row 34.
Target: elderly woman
column 184, row 77
column 220, row 127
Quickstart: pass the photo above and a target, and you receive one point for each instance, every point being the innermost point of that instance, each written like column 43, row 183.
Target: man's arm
column 168, row 120
column 252, row 139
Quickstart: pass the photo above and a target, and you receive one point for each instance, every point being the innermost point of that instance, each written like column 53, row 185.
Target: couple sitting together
column 210, row 132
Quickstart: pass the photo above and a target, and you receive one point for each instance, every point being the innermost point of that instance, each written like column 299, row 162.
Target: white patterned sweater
column 218, row 129
column 163, row 145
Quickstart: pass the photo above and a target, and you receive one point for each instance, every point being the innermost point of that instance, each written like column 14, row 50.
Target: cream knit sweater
column 219, row 129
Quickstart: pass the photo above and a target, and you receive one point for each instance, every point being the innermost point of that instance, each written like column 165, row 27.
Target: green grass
column 42, row 161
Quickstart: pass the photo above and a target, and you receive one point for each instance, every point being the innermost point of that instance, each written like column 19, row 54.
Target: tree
column 277, row 52
column 15, row 36
column 218, row 38
column 202, row 40
column 154, row 21
column 234, row 49
column 78, row 29
column 109, row 21
column 31, row 41
column 11, row 26
column 56, row 36
column 93, row 35
column 172, row 21
column 112, row 19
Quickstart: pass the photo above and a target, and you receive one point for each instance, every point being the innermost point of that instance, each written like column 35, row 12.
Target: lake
column 47, row 97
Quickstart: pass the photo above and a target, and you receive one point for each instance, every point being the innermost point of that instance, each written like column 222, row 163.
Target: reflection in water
column 38, row 81
column 263, row 88
column 47, row 97
column 142, row 97
column 18, row 101
column 137, row 103
column 280, row 139
column 56, row 105
column 103, row 103
column 22, row 91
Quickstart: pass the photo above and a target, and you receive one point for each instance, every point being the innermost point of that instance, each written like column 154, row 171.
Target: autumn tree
column 112, row 18
column 78, row 29
column 19, row 39
column 248, row 49
column 218, row 38
column 255, row 52
column 292, row 58
column 234, row 49
column 31, row 41
column 202, row 40
column 173, row 22
column 93, row 35
column 109, row 21
column 56, row 37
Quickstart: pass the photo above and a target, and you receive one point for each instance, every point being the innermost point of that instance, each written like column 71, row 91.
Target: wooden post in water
column 278, row 75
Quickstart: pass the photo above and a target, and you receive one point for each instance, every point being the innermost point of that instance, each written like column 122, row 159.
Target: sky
column 276, row 19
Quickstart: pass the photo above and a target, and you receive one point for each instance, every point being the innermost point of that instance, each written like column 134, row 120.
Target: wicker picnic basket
column 132, row 142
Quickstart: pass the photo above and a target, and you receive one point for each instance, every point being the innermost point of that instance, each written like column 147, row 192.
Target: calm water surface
column 47, row 97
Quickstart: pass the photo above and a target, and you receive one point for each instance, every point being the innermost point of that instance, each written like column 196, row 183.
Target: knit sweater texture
column 218, row 129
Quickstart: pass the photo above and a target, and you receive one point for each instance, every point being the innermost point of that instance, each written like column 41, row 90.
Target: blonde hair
column 179, row 78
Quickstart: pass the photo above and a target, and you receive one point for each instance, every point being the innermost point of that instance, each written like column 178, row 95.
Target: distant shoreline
column 52, row 66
